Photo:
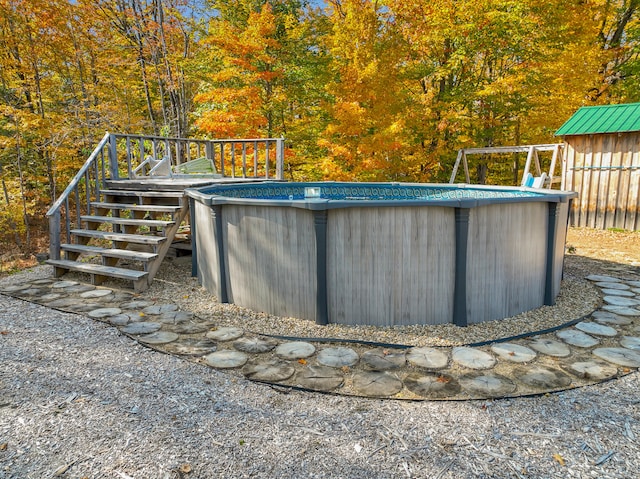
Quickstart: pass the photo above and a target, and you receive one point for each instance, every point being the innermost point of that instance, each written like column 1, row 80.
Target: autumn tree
column 366, row 138
column 266, row 75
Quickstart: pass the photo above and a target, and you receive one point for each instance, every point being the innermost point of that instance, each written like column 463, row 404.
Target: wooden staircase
column 126, row 235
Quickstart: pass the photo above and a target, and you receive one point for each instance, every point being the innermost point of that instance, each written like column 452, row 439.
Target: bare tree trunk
column 12, row 223
column 22, row 192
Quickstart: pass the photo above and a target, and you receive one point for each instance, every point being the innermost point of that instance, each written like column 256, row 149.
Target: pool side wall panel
column 206, row 245
column 391, row 265
column 270, row 257
column 506, row 266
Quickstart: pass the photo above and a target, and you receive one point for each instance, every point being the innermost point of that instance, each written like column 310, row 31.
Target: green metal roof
column 602, row 119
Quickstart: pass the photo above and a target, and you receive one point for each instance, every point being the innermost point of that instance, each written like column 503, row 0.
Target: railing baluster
column 142, row 152
column 222, row 159
column 209, row 151
column 244, row 159
column 129, row 169
column 76, row 192
column 96, row 170
column 255, row 159
column 280, row 159
column 178, row 147
column 87, row 191
column 266, row 159
column 67, row 220
column 233, row 160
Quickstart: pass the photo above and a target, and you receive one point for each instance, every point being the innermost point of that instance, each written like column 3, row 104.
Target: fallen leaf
column 3, row 446
column 559, row 459
column 345, row 369
column 443, row 379
column 4, row 332
column 141, row 313
column 185, row 468
column 302, row 361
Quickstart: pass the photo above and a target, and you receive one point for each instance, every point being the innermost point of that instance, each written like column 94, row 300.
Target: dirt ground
column 610, row 245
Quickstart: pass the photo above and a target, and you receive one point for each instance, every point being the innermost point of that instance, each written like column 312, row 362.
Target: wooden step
column 109, row 252
column 120, row 237
column 150, row 208
column 127, row 221
column 143, row 194
column 98, row 269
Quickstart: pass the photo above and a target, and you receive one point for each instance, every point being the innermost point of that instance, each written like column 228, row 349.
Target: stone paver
column 551, row 347
column 338, row 357
column 429, row 358
column 577, row 338
column 514, row 352
column 295, row 350
column 605, row 346
column 382, row 359
column 473, row 358
column 226, row 359
column 596, row 329
column 376, row 383
column 274, row 370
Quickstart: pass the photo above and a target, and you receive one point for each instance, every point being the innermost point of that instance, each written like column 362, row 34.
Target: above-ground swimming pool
column 380, row 253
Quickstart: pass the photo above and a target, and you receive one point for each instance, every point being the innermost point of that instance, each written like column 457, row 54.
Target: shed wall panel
column 605, row 171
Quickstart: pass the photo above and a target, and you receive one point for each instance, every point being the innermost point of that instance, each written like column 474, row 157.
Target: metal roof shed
column 602, row 161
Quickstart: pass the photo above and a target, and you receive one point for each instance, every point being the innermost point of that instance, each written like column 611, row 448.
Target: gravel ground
column 79, row 400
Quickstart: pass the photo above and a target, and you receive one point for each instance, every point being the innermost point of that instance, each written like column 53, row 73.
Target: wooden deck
column 176, row 183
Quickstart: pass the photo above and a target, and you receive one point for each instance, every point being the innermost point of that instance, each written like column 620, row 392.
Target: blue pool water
column 363, row 192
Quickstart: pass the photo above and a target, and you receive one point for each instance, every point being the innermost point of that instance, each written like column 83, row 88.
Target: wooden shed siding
column 605, row 170
column 270, row 258
column 505, row 260
column 391, row 265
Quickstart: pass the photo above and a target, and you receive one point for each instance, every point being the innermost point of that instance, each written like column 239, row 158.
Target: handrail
column 80, row 175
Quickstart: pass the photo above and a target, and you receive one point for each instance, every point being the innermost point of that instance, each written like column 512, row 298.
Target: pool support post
column 192, row 226
column 320, row 227
column 216, row 215
column 460, row 286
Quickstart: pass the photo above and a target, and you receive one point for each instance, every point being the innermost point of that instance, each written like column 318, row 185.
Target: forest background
column 362, row 90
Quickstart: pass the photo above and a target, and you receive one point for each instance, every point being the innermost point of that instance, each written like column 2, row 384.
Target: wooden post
column 113, row 158
column 455, row 167
column 266, row 159
column 465, row 163
column 222, row 159
column 280, row 159
column 527, row 166
column 54, row 235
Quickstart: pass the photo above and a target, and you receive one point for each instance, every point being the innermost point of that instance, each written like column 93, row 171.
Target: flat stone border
column 581, row 352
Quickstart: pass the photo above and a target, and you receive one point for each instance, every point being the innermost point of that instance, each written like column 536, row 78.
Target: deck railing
column 140, row 157
column 233, row 158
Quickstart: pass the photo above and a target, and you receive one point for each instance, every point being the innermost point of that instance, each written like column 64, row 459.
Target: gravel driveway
column 77, row 399
column 80, row 400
